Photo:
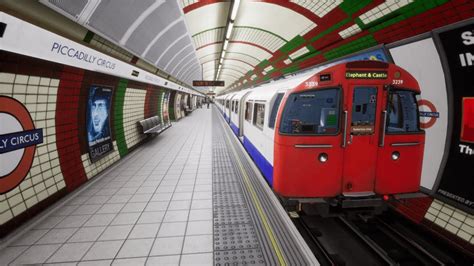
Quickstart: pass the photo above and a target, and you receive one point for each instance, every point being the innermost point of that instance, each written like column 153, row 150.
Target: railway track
column 381, row 240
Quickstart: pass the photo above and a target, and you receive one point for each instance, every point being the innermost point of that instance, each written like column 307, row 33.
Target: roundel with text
column 18, row 140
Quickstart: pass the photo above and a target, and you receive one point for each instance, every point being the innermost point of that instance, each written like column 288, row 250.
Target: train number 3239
column 397, row 81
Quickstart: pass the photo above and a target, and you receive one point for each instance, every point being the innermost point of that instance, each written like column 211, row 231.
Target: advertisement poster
column 98, row 122
column 457, row 182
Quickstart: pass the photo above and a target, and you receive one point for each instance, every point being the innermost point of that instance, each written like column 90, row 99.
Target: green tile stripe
column 118, row 117
column 292, row 44
column 160, row 104
column 330, row 29
column 403, row 13
column 88, row 37
column 352, row 6
column 351, row 47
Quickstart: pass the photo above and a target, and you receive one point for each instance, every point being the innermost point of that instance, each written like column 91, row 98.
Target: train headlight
column 323, row 157
column 395, row 155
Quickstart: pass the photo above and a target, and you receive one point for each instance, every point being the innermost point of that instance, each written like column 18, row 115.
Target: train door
column 241, row 113
column 361, row 140
column 401, row 144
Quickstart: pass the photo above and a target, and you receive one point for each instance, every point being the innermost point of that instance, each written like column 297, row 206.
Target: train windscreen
column 313, row 112
column 402, row 111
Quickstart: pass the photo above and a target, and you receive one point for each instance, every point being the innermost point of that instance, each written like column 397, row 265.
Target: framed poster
column 455, row 44
column 98, row 122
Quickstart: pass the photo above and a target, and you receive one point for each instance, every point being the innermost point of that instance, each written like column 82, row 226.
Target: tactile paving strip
column 239, row 257
column 235, row 238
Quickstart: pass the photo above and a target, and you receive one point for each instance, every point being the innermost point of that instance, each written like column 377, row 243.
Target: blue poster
column 98, row 122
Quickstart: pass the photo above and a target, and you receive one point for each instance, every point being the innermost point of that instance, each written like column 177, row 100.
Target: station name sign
column 208, row 83
column 366, row 75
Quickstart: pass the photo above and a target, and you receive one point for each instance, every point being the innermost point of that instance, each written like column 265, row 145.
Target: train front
column 349, row 137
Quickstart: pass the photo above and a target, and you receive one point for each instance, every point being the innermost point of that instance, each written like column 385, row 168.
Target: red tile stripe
column 67, row 132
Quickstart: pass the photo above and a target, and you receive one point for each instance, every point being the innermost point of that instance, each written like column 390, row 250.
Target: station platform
column 190, row 196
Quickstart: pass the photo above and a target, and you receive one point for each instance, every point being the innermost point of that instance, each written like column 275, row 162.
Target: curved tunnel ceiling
column 270, row 38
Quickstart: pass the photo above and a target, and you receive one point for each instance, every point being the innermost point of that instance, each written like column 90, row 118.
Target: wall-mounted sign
column 98, row 122
column 18, row 140
column 457, row 182
column 208, row 83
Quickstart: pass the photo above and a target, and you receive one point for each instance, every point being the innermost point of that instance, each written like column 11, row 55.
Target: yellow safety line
column 256, row 202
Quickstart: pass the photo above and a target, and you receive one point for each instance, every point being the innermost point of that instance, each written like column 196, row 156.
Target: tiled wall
column 38, row 94
column 451, row 219
column 134, row 108
column 56, row 98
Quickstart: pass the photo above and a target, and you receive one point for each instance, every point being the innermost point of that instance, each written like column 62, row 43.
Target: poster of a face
column 98, row 122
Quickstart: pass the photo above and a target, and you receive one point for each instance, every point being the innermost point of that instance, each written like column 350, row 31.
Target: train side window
column 313, row 112
column 273, row 114
column 227, row 104
column 236, row 108
column 402, row 108
column 248, row 111
column 259, row 115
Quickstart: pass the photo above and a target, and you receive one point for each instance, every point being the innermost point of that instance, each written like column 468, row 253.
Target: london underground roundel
column 18, row 140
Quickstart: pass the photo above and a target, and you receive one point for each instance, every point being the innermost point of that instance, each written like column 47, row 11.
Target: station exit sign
column 208, row 83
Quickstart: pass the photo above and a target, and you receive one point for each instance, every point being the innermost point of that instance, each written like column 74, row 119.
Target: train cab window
column 273, row 114
column 248, row 111
column 236, row 107
column 259, row 115
column 312, row 113
column 227, row 104
column 402, row 111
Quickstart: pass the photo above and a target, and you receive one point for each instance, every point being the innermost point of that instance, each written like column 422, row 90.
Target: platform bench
column 153, row 125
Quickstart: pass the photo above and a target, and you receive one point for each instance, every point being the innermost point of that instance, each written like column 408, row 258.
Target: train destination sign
column 208, row 83
column 366, row 75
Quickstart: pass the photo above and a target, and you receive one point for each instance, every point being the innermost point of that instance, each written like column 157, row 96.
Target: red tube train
column 348, row 135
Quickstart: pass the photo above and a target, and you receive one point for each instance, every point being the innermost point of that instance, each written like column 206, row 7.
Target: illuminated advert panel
column 98, row 122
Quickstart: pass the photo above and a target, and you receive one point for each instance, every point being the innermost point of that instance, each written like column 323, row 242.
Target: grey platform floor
column 154, row 207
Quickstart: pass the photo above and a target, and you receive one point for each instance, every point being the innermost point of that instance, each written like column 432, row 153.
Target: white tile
column 144, row 231
column 199, row 227
column 201, row 214
column 55, row 236
column 103, row 250
column 87, row 234
column 203, row 259
column 125, row 218
column 130, row 262
column 202, row 195
column 116, row 232
column 70, row 252
column 111, row 208
column 176, row 216
column 182, row 196
column 164, row 260
column 50, row 222
column 30, row 237
column 179, row 205
column 87, row 209
column 100, row 220
column 172, row 229
column 162, row 196
column 36, row 254
column 198, row 244
column 10, row 253
column 134, row 207
column 201, row 204
column 151, row 217
column 135, row 248
column 186, row 188
column 73, row 221
column 141, row 198
column 157, row 206
column 167, row 246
